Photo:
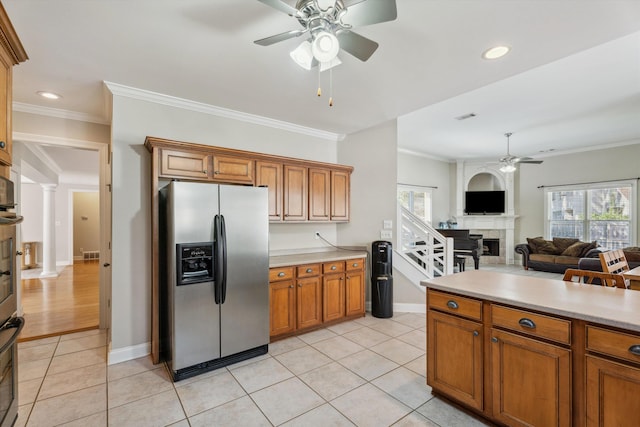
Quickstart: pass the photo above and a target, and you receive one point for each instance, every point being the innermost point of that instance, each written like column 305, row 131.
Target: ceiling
column 571, row 80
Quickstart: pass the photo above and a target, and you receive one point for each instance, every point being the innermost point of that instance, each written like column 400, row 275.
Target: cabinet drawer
column 455, row 304
column 355, row 264
column 283, row 273
column 308, row 270
column 613, row 343
column 538, row 325
column 333, row 267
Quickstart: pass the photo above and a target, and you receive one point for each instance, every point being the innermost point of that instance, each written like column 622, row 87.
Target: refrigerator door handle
column 223, row 285
column 217, row 231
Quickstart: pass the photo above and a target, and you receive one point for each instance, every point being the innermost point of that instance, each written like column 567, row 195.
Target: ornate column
column 48, row 231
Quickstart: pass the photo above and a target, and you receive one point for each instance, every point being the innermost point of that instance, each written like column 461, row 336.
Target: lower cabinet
column 306, row 296
column 531, row 381
column 455, row 359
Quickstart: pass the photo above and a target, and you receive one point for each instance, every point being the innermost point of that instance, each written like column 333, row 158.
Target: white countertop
column 607, row 306
column 313, row 257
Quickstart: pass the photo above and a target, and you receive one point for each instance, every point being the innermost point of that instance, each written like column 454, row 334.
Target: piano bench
column 459, row 261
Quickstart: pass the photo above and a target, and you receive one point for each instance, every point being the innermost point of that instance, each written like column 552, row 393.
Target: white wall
column 616, row 163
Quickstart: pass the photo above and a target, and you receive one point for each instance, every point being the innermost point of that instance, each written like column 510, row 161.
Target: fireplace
column 491, row 247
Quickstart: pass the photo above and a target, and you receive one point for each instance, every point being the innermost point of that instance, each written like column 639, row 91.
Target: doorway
column 76, row 296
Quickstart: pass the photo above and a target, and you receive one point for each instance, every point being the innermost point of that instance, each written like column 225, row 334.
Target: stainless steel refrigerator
column 215, row 252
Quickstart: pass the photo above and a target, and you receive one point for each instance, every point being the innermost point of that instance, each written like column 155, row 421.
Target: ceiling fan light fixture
column 508, row 168
column 496, row 52
column 324, row 66
column 302, row 55
column 325, row 46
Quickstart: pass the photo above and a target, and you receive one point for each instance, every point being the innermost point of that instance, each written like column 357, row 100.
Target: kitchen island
column 520, row 350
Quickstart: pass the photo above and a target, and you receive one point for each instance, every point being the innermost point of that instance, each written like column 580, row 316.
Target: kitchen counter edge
column 313, row 257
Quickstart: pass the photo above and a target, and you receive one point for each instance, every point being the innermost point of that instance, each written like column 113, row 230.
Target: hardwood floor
column 68, row 303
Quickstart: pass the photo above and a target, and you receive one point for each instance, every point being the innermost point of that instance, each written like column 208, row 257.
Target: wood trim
column 155, row 267
column 9, row 39
column 151, row 142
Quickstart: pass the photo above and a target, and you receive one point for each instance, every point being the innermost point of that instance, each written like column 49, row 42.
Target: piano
column 465, row 243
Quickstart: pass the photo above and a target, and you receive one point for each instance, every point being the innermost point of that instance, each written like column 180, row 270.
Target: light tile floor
column 366, row 372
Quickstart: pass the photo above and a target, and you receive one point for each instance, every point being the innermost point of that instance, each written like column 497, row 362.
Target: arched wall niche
column 485, row 181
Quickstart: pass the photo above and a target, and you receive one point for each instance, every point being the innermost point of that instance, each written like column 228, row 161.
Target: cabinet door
column 282, row 313
column 5, row 108
column 340, row 190
column 319, row 194
column 333, row 296
column 309, row 302
column 295, row 193
column 531, row 381
column 182, row 164
column 613, row 390
column 270, row 174
column 354, row 292
column 233, row 169
column 454, row 357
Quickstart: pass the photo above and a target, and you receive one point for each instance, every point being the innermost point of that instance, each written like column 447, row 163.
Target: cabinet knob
column 494, row 339
column 309, row 270
column 333, row 267
column 299, row 285
column 216, row 172
column 290, row 286
column 281, row 274
column 635, row 349
column 204, row 172
column 3, row 144
column 452, row 305
column 18, row 252
column 355, row 264
column 476, row 333
column 527, row 323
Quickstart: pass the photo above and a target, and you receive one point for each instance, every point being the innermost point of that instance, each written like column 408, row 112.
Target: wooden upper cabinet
column 340, row 195
column 319, row 194
column 295, row 193
column 233, row 169
column 11, row 53
column 180, row 164
column 269, row 174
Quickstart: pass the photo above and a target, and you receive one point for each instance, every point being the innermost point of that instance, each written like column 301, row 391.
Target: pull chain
column 319, row 88
column 331, row 87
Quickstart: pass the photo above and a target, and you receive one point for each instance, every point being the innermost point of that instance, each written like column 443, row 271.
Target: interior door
column 105, row 237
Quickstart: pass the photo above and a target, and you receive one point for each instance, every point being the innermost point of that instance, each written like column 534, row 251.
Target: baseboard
column 402, row 307
column 128, row 353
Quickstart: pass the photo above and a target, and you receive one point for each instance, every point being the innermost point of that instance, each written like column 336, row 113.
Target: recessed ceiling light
column 48, row 95
column 496, row 52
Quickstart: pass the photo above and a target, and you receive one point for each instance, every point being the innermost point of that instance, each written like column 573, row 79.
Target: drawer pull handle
column 635, row 349
column 527, row 323
column 494, row 339
column 452, row 305
column 290, row 286
column 355, row 264
column 281, row 274
column 476, row 333
column 333, row 267
column 309, row 270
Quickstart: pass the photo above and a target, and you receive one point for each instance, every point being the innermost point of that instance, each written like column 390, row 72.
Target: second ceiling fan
column 509, row 161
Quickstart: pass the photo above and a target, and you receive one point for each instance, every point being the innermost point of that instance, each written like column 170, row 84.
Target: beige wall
column 61, row 128
column 86, row 222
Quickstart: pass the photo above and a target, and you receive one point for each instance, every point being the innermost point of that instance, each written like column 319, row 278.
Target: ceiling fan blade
column 281, row 6
column 349, row 3
column 357, row 45
column 370, row 12
column 532, row 161
column 267, row 41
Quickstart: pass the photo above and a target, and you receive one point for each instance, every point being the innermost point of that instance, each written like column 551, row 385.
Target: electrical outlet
column 386, row 234
column 316, row 235
column 387, row 224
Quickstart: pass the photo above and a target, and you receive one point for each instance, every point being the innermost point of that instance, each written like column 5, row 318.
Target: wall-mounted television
column 484, row 202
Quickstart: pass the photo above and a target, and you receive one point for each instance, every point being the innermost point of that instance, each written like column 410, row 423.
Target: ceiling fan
column 509, row 161
column 328, row 24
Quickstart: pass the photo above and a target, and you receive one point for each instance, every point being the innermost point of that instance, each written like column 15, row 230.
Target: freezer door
column 245, row 312
column 196, row 316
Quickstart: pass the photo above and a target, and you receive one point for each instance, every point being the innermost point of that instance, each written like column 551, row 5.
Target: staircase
column 423, row 252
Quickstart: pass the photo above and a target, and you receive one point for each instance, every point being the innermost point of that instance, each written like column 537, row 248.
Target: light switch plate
column 387, row 224
column 386, row 234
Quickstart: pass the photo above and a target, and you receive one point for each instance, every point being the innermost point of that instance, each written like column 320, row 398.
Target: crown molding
column 185, row 104
column 59, row 113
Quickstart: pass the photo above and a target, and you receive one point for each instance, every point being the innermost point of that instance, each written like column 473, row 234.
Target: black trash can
column 382, row 297
column 381, row 279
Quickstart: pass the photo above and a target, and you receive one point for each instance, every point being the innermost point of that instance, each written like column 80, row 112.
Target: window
column 604, row 212
column 416, row 200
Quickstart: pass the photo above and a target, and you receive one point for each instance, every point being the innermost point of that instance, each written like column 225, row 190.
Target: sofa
column 556, row 255
column 631, row 253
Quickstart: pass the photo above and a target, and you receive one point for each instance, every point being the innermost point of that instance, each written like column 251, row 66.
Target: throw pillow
column 587, row 248
column 562, row 243
column 547, row 247
column 576, row 249
column 533, row 243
